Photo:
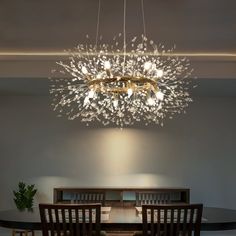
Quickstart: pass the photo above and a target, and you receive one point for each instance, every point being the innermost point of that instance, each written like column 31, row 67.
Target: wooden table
column 120, row 219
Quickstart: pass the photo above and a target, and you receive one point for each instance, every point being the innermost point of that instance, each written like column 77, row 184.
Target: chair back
column 85, row 197
column 152, row 198
column 70, row 219
column 172, row 220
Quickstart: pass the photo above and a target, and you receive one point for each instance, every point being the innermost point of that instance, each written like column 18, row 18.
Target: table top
column 120, row 218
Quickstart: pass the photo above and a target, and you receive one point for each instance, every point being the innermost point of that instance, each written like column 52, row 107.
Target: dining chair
column 152, row 198
column 70, row 219
column 172, row 220
column 85, row 197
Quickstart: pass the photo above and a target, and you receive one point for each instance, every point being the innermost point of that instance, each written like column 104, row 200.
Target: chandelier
column 123, row 85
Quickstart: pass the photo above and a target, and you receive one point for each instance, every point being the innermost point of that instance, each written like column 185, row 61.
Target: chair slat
column 145, row 221
column 152, row 222
column 63, row 212
column 90, row 221
column 178, row 221
column 70, row 221
column 98, row 220
column 58, row 229
column 158, row 222
column 172, row 212
column 191, row 221
column 165, row 221
column 51, row 220
column 77, row 225
column 83, row 222
column 185, row 221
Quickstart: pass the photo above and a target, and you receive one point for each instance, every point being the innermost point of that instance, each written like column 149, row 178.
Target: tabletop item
column 24, row 196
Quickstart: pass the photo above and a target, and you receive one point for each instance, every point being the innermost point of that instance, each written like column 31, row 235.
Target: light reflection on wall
column 118, row 150
column 111, row 157
column 108, row 158
column 140, row 180
column 45, row 185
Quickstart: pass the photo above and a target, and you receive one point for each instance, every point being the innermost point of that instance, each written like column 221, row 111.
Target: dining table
column 119, row 219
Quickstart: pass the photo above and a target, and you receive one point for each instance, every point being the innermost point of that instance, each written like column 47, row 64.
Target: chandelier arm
column 143, row 17
column 67, row 67
column 66, row 88
column 98, row 22
column 174, row 81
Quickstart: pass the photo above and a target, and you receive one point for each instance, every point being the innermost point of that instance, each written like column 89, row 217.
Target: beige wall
column 196, row 150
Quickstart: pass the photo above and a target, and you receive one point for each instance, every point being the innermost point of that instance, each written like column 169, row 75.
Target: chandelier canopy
column 122, row 85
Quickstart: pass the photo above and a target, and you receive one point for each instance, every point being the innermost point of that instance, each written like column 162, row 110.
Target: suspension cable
column 143, row 16
column 98, row 23
column 124, row 35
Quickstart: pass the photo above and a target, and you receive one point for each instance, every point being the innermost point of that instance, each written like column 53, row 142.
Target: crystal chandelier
column 138, row 82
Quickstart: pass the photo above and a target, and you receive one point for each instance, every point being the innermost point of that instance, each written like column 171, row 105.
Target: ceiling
column 30, row 29
column 194, row 26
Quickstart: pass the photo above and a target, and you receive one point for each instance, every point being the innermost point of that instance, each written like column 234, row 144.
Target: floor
column 7, row 232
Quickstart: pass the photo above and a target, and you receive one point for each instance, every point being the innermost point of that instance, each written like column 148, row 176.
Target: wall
column 196, row 150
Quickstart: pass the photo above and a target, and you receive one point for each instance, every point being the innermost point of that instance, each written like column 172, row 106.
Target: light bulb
column 130, row 92
column 91, row 93
column 160, row 95
column 150, row 101
column 147, row 65
column 154, row 66
column 99, row 76
column 159, row 73
column 107, row 65
column 84, row 70
column 86, row 101
column 115, row 103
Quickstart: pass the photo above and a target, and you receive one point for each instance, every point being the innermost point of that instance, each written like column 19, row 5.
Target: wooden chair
column 172, row 220
column 70, row 219
column 86, row 197
column 149, row 198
